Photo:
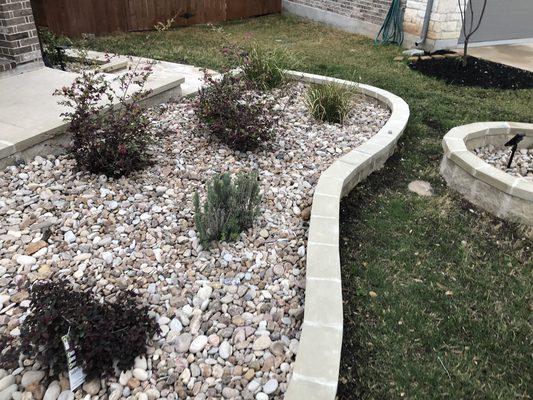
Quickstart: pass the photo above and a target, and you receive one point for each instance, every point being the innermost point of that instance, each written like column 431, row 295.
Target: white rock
column 125, row 376
column 261, row 396
column 253, row 385
column 26, row 260
column 271, row 386
column 7, row 393
column 140, row 362
column 225, row 350
column 108, row 257
column 205, row 292
column 53, row 391
column 140, row 374
column 66, row 395
column 198, row 344
column 152, row 393
column 69, row 237
column 176, row 325
column 6, row 381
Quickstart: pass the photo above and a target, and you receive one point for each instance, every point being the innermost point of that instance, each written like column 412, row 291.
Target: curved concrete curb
column 316, row 370
column 488, row 187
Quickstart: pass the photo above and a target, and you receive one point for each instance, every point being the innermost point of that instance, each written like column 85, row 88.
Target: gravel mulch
column 230, row 315
column 522, row 165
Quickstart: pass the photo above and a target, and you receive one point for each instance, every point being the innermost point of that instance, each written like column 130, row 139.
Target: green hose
column 392, row 29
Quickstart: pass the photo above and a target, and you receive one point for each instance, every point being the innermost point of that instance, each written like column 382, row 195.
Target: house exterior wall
column 19, row 42
column 372, row 11
column 366, row 17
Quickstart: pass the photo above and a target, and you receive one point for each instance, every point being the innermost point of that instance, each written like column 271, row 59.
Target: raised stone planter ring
column 488, row 187
column 316, row 371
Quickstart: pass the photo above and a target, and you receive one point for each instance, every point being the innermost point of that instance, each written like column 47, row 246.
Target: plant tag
column 75, row 373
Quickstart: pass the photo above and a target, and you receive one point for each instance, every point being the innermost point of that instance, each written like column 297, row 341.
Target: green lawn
column 452, row 316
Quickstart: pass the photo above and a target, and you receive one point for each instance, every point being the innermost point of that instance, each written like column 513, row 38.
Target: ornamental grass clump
column 230, row 110
column 264, row 68
column 329, row 102
column 109, row 128
column 230, row 208
column 103, row 333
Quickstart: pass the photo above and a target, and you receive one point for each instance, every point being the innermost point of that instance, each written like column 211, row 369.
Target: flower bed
column 230, row 316
column 521, row 167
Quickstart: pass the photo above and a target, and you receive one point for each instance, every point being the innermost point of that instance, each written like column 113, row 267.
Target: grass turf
column 452, row 316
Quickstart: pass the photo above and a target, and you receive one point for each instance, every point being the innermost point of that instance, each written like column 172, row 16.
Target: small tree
column 471, row 22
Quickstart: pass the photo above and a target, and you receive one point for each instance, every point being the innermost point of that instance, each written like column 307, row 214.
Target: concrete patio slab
column 31, row 118
column 514, row 55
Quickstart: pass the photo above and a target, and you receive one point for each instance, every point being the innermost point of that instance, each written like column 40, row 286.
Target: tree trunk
column 465, row 53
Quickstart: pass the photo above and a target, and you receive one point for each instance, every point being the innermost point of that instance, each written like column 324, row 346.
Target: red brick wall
column 19, row 43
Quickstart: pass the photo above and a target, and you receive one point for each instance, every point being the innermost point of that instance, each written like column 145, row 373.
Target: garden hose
column 392, row 29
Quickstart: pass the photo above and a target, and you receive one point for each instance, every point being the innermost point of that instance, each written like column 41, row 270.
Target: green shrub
column 104, row 334
column 50, row 42
column 264, row 68
column 329, row 102
column 230, row 207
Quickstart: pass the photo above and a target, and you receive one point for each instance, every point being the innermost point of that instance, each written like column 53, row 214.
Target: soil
column 477, row 73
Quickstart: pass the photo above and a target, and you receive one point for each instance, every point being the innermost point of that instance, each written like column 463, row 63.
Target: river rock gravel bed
column 230, row 315
column 522, row 165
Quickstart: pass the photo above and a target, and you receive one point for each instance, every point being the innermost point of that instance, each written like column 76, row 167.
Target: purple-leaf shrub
column 231, row 110
column 109, row 128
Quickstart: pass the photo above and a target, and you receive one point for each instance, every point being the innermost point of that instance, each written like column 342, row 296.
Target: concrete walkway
column 515, row 55
column 30, row 121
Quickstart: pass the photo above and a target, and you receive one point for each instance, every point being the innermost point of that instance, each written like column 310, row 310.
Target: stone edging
column 488, row 187
column 316, row 370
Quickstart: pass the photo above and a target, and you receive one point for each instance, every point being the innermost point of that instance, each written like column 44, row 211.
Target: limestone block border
column 488, row 187
column 316, row 371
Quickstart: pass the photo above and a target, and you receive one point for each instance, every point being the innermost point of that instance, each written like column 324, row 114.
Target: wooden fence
column 75, row 17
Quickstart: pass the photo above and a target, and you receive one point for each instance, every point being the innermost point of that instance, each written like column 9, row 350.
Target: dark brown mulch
column 477, row 73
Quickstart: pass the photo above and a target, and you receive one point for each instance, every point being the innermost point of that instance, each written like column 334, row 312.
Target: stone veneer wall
column 444, row 27
column 19, row 43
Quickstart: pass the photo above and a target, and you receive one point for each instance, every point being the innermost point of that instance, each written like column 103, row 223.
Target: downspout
column 425, row 26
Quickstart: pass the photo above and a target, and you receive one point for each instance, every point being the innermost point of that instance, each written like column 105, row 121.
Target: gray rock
column 31, row 377
column 92, row 387
column 183, row 342
column 261, row 343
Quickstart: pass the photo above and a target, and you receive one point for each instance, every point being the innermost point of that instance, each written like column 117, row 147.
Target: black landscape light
column 514, row 142
column 61, row 56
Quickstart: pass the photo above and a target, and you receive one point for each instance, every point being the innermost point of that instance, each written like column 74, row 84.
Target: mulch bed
column 477, row 73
